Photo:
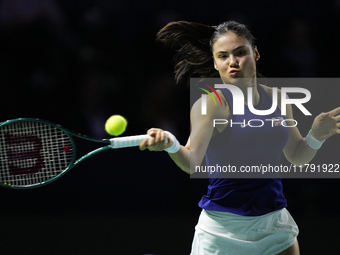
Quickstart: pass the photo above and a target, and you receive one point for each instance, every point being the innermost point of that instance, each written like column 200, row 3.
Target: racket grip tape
column 127, row 141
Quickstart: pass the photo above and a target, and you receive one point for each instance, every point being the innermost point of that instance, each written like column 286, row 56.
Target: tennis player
column 239, row 216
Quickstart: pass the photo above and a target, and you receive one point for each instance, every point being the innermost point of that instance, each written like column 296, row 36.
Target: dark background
column 76, row 63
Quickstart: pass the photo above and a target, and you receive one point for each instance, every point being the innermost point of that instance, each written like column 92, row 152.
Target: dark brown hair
column 193, row 43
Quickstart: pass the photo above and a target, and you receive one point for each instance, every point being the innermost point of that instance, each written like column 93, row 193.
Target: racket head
column 34, row 152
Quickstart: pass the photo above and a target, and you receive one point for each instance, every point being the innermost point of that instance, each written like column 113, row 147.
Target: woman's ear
column 215, row 64
column 256, row 54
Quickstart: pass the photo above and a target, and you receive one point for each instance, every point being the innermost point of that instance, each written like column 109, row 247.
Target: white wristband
column 312, row 142
column 175, row 144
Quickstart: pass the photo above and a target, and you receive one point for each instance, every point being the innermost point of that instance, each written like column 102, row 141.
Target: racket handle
column 127, row 141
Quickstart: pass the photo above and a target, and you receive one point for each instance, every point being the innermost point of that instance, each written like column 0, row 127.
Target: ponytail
column 192, row 43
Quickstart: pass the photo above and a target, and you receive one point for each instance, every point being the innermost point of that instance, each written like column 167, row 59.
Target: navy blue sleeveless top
column 247, row 146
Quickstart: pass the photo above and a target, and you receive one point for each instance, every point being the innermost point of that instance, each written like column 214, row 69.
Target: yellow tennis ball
column 115, row 125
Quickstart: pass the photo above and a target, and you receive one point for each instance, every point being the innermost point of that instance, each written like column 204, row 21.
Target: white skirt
column 222, row 233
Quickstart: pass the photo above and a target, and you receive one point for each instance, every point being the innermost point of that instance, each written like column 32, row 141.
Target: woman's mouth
column 233, row 72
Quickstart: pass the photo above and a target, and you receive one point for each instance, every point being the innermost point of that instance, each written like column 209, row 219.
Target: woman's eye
column 240, row 53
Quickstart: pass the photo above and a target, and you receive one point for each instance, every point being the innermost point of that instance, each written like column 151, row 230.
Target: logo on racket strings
column 24, row 154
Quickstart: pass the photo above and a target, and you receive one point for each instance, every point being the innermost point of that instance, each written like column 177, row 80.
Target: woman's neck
column 244, row 84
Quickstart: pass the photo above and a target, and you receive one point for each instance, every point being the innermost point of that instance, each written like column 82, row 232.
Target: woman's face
column 234, row 58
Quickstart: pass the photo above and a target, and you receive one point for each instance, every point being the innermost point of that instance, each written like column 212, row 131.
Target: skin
column 234, row 53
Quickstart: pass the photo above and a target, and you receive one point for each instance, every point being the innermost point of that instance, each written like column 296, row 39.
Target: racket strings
column 32, row 153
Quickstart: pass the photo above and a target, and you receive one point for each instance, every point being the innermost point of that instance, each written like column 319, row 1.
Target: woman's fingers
column 156, row 142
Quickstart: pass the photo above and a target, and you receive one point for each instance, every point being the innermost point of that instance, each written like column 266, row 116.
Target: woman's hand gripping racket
column 34, row 152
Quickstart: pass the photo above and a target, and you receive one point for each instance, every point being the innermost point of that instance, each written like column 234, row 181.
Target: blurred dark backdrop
column 78, row 62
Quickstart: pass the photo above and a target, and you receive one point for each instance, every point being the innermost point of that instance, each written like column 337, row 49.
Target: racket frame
column 74, row 161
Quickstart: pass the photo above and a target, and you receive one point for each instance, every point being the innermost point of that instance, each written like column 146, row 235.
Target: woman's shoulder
column 215, row 105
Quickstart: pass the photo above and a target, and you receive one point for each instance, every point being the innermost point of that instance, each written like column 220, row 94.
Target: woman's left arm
column 299, row 150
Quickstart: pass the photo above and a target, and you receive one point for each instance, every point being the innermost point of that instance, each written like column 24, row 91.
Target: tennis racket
column 35, row 152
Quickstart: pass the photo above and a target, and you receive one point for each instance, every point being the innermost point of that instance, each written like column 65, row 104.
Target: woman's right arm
column 201, row 133
column 182, row 157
